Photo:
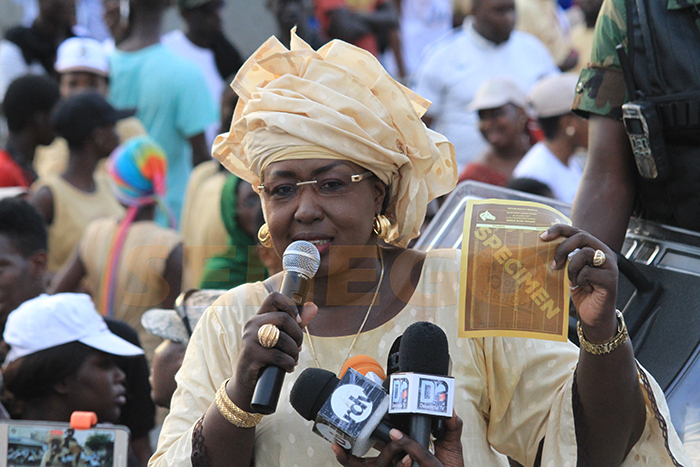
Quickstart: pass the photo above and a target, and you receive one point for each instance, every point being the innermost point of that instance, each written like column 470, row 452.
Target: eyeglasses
column 330, row 184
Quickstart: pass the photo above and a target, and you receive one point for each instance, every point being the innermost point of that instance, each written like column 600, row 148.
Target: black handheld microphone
column 349, row 412
column 392, row 362
column 300, row 262
column 422, row 389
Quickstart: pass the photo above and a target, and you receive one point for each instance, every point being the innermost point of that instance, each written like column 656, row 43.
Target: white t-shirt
column 178, row 42
column 421, row 23
column 541, row 164
column 89, row 17
column 458, row 63
column 13, row 65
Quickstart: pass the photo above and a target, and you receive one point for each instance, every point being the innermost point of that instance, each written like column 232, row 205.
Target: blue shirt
column 173, row 102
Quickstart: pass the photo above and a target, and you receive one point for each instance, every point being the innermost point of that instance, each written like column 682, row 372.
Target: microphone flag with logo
column 421, row 390
column 348, row 412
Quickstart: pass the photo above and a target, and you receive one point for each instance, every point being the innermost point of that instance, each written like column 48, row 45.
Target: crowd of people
column 138, row 166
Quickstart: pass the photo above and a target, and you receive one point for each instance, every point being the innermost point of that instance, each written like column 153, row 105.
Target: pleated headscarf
column 337, row 103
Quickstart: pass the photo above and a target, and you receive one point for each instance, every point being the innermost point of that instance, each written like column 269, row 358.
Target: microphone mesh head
column 301, row 257
column 311, row 390
column 424, row 349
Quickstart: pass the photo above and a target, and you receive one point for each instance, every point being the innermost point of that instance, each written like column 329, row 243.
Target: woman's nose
column 309, row 208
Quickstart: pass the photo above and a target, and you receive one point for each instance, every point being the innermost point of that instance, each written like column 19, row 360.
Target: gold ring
column 268, row 335
column 599, row 258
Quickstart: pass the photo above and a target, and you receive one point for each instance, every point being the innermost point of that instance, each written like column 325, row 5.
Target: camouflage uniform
column 601, row 91
column 601, row 88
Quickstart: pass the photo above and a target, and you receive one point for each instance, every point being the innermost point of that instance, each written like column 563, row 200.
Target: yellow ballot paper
column 507, row 285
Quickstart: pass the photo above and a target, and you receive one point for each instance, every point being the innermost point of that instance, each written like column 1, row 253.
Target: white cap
column 170, row 324
column 52, row 320
column 553, row 96
column 82, row 54
column 497, row 92
column 12, row 191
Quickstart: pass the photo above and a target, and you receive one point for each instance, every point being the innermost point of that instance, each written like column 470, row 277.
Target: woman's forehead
column 307, row 167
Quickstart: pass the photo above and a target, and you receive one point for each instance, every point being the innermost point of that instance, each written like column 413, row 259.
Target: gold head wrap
column 337, row 103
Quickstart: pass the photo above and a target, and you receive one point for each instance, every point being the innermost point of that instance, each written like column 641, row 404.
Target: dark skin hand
column 402, row 450
column 228, row 444
column 608, row 385
column 605, row 197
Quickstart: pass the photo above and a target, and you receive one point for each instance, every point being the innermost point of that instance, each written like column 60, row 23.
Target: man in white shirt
column 457, row 64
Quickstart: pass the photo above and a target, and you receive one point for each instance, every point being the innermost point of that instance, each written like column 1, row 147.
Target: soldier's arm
column 606, row 194
column 605, row 198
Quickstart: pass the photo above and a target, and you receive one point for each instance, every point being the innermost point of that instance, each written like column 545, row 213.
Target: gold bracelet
column 607, row 347
column 232, row 413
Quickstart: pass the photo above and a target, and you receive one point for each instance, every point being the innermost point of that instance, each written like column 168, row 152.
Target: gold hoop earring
column 264, row 236
column 381, row 226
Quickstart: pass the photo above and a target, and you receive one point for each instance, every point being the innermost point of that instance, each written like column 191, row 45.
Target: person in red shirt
column 27, row 105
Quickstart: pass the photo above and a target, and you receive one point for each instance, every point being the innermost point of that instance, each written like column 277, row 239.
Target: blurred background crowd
column 110, row 109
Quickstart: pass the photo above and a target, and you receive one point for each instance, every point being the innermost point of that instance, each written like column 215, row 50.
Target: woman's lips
column 321, row 245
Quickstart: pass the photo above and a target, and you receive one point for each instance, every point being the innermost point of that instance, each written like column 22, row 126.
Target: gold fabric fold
column 341, row 99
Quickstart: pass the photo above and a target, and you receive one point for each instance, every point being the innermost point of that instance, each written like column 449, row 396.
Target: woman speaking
column 341, row 159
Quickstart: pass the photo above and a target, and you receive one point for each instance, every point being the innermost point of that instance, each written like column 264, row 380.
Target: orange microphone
column 364, row 364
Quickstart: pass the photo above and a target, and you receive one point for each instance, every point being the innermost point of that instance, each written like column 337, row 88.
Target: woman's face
column 502, row 125
column 98, row 387
column 333, row 212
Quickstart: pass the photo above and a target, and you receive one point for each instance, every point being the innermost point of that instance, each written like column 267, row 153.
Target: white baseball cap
column 553, row 96
column 12, row 191
column 82, row 54
column 497, row 92
column 52, row 320
column 178, row 324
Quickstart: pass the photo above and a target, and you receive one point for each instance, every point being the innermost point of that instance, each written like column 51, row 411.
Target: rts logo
column 350, row 403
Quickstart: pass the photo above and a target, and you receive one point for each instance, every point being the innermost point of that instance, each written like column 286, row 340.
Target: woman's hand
column 280, row 311
column 613, row 411
column 593, row 288
column 448, row 451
